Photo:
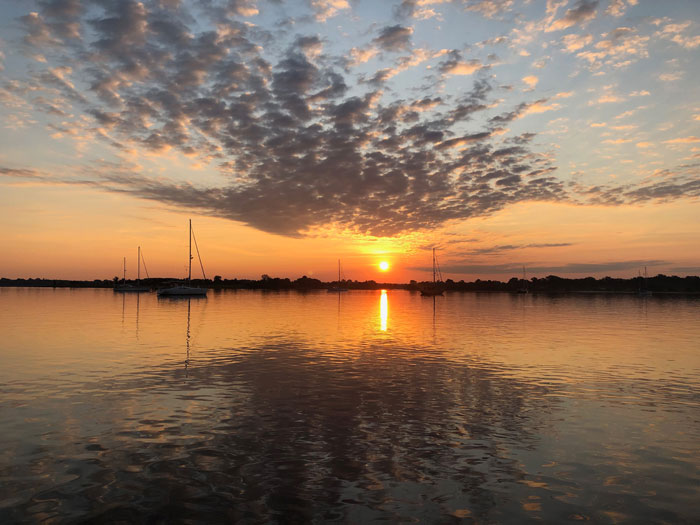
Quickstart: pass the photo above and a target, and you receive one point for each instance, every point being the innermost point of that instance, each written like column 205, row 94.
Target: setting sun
column 384, row 266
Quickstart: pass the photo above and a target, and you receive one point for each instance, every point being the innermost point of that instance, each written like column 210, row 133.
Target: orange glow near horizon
column 74, row 241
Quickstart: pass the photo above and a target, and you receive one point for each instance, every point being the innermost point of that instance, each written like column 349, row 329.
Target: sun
column 384, row 266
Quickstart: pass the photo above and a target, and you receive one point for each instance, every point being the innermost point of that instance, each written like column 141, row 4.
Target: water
column 361, row 406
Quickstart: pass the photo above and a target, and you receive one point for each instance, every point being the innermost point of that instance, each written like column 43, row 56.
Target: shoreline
column 552, row 285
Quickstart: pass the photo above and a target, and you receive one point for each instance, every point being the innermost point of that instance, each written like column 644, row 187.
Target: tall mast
column 189, row 261
column 338, row 271
column 138, row 267
column 433, row 264
column 124, row 269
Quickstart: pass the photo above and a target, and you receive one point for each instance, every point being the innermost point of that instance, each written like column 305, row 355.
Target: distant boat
column 337, row 288
column 643, row 286
column 437, row 287
column 523, row 289
column 186, row 289
column 124, row 287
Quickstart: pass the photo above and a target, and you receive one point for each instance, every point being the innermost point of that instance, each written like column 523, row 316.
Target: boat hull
column 431, row 292
column 182, row 291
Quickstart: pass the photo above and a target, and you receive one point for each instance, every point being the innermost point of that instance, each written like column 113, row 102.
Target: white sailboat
column 338, row 288
column 437, row 287
column 186, row 289
column 124, row 287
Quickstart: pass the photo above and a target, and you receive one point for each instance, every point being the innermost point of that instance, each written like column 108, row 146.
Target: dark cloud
column 573, row 268
column 455, row 64
column 510, row 247
column 394, row 38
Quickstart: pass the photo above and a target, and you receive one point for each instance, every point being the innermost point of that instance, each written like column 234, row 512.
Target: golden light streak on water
column 383, row 311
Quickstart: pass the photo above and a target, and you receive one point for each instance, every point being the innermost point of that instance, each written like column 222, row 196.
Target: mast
column 338, row 271
column 124, row 279
column 434, row 265
column 138, row 267
column 189, row 260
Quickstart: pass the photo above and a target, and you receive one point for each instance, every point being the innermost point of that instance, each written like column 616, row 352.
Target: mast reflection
column 187, row 339
column 383, row 311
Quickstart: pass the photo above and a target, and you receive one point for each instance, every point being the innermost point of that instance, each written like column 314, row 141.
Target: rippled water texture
column 257, row 407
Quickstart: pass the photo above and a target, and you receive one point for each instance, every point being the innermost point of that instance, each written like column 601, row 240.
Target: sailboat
column 124, row 287
column 187, row 289
column 337, row 288
column 643, row 286
column 523, row 289
column 437, row 287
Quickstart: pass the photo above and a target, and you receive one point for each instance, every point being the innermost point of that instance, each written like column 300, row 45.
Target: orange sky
column 85, row 235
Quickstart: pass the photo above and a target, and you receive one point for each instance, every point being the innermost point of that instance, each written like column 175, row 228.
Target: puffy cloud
column 617, row 8
column 326, row 9
column 531, row 81
column 675, row 33
column 618, row 48
column 490, row 8
column 582, row 11
column 456, row 65
column 574, row 42
column 394, row 38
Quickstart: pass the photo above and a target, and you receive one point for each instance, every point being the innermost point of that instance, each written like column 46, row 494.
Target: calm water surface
column 355, row 407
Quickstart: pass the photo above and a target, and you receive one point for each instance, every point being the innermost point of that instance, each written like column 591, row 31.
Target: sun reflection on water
column 383, row 311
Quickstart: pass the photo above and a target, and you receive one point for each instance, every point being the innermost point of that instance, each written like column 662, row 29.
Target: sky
column 559, row 136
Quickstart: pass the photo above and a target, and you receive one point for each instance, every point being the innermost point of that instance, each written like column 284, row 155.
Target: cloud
column 582, row 11
column 421, row 8
column 663, row 186
column 617, row 8
column 531, row 81
column 394, row 38
column 489, row 8
column 608, row 96
column 670, row 77
column 523, row 109
column 360, row 56
column 674, row 33
column 291, row 139
column 325, row 9
column 618, row 48
column 489, row 250
column 683, row 140
column 455, row 64
column 296, row 148
column 566, row 269
column 574, row 42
